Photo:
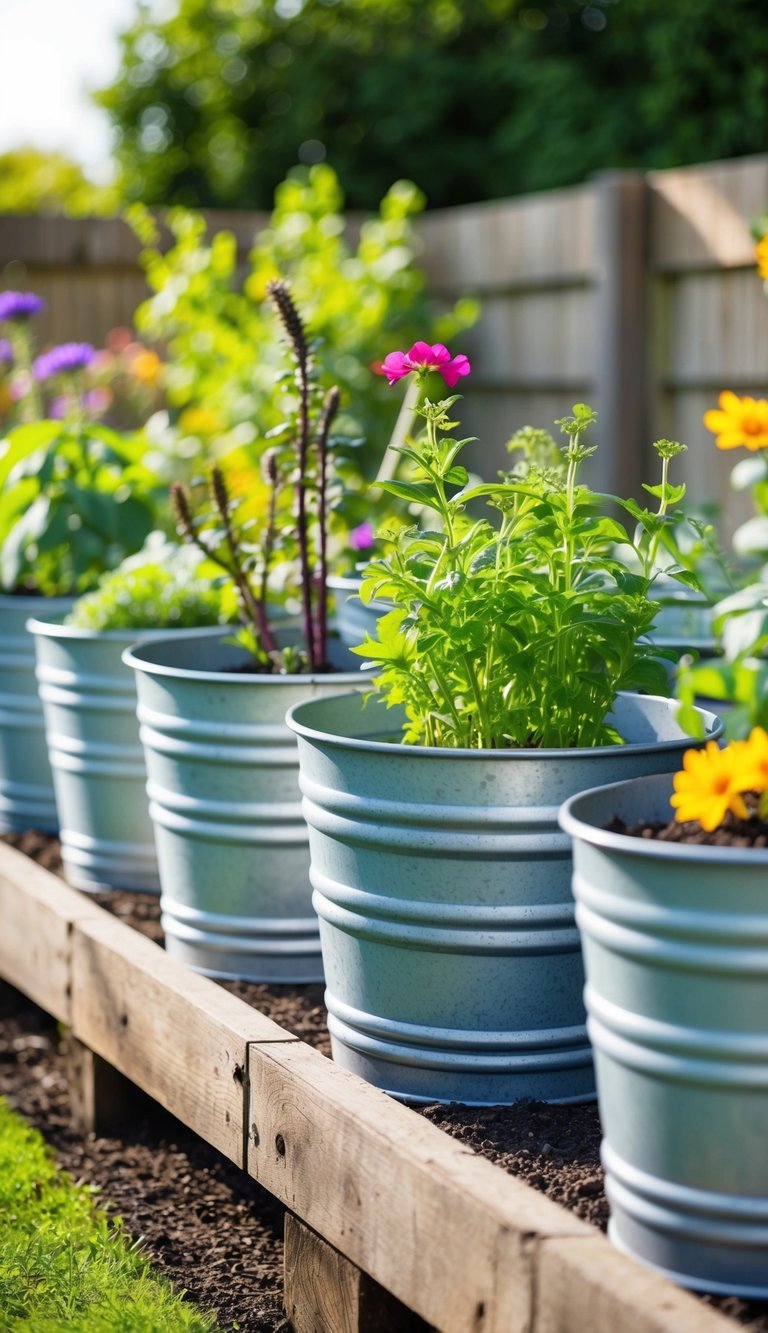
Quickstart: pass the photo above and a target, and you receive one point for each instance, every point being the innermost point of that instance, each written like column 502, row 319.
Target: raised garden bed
column 452, row 1237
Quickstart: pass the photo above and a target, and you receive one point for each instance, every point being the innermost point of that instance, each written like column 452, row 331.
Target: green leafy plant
column 75, row 499
column 521, row 634
column 162, row 586
column 215, row 323
column 290, row 536
column 739, row 677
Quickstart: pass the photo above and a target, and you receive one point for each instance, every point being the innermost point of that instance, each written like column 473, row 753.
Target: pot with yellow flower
column 674, row 924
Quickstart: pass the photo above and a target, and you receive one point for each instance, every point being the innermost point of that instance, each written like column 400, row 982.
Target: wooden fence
column 636, row 292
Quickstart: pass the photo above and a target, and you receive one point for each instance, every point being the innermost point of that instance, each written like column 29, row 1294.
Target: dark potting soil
column 733, row 832
column 554, row 1149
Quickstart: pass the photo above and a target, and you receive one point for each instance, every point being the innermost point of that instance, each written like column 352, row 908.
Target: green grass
column 65, row 1265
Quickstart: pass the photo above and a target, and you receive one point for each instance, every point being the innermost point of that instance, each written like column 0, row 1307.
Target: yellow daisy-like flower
column 739, row 421
column 761, row 255
column 711, row 783
column 753, row 760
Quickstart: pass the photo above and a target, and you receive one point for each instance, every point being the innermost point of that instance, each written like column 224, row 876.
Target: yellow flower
column 753, row 760
column 761, row 255
column 739, row 421
column 711, row 783
column 146, row 366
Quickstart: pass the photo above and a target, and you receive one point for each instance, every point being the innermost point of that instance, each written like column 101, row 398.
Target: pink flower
column 422, row 358
column 361, row 538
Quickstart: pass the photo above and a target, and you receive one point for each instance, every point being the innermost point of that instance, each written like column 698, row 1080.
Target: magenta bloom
column 63, row 360
column 422, row 358
column 361, row 538
column 19, row 305
column 6, row 352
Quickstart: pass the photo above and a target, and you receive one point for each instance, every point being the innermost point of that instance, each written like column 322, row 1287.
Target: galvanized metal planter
column 26, row 783
column 442, row 884
column 353, row 619
column 676, row 950
column 223, row 786
column 89, row 703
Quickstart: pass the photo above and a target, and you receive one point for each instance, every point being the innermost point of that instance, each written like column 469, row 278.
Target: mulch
column 230, row 1257
column 732, row 832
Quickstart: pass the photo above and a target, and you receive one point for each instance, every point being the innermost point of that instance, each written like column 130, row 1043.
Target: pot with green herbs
column 509, row 673
column 75, row 498
column 222, row 766
column 89, row 706
column 670, row 884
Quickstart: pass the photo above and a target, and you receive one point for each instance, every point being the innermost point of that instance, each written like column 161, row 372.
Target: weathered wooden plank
column 700, row 215
column 37, row 911
column 584, row 1284
column 179, row 1036
column 445, row 1231
column 325, row 1293
column 101, row 1100
column 480, row 247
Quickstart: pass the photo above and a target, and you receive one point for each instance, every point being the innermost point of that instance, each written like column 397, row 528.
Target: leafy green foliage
column 33, row 181
column 66, row 1265
column 75, row 499
column 158, row 588
column 519, row 635
column 214, row 103
column 217, row 323
column 740, row 677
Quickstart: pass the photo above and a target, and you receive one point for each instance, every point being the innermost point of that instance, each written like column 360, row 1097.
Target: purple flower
column 19, row 305
column 64, row 360
column 6, row 352
column 362, row 537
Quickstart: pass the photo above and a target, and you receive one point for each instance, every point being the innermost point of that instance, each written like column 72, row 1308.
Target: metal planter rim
column 138, row 656
column 55, row 629
column 694, row 854
column 293, row 719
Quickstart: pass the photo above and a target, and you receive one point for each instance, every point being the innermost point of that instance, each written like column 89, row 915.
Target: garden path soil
column 555, row 1149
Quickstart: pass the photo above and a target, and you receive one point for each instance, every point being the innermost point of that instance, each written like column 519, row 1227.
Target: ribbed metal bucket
column 89, row 702
column 354, row 619
column 26, row 784
column 676, row 950
column 223, row 785
column 442, row 883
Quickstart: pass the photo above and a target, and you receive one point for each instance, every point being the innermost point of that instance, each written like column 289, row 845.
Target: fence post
column 621, row 373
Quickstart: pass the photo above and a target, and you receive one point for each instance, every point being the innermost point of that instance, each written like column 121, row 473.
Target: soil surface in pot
column 555, row 1149
column 733, row 832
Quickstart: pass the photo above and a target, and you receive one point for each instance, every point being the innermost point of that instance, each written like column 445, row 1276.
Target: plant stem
column 330, row 408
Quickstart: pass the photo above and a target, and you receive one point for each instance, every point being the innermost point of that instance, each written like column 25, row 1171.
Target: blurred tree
column 473, row 99
column 32, row 181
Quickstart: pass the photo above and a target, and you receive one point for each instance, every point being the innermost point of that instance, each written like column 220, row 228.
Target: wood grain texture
column 179, row 1036
column 585, row 1285
column 441, row 1228
column 101, row 1100
column 37, row 912
column 325, row 1293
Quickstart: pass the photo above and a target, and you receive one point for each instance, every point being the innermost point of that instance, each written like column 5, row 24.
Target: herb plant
column 519, row 634
column 290, row 535
column 163, row 586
